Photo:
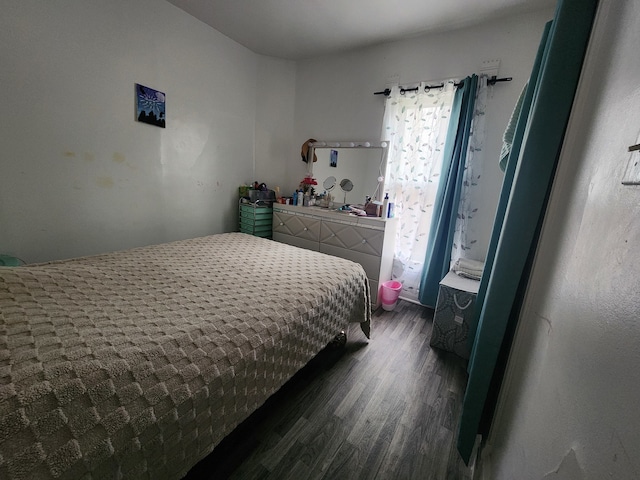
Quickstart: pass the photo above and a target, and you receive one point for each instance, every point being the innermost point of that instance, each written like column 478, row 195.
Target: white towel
column 465, row 267
column 507, row 138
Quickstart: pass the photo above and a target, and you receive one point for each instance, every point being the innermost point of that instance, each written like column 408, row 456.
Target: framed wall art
column 150, row 106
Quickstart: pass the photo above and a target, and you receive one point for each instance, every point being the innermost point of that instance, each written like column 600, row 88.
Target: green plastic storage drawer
column 256, row 220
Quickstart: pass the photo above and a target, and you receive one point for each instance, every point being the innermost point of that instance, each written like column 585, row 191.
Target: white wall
column 571, row 401
column 335, row 101
column 78, row 174
column 274, row 120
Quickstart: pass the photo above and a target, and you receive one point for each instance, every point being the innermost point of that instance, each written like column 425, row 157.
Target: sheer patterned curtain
column 415, row 125
column 445, row 210
column 465, row 236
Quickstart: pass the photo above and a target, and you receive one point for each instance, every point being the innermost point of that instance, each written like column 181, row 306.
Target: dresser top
column 334, row 215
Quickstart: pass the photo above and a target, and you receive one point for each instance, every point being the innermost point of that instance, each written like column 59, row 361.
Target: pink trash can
column 389, row 293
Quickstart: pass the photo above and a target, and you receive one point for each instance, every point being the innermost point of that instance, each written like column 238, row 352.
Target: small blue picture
column 150, row 106
column 333, row 158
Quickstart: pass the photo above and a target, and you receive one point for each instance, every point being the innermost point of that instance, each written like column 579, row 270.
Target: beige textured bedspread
column 136, row 364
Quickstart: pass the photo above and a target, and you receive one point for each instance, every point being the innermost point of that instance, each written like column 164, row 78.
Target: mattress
column 136, row 364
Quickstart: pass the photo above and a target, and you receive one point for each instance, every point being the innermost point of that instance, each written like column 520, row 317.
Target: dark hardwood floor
column 381, row 409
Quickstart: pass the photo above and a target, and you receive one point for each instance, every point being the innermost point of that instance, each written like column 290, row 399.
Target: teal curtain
column 507, row 182
column 445, row 209
column 527, row 182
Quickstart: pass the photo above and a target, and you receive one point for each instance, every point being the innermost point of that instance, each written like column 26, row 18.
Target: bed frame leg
column 339, row 341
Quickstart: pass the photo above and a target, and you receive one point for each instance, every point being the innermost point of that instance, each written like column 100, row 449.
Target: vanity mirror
column 358, row 168
column 329, row 183
column 346, row 185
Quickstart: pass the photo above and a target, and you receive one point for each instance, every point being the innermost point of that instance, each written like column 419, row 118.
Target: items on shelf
column 257, row 193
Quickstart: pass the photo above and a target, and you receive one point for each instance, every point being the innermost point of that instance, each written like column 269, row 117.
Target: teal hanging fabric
column 510, row 163
column 531, row 165
column 445, row 209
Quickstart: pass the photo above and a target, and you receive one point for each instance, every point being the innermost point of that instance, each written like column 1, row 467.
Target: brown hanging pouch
column 304, row 151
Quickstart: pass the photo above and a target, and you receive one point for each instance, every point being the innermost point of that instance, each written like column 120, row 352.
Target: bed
column 136, row 364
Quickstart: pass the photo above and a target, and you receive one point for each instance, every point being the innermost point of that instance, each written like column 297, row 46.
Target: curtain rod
column 492, row 81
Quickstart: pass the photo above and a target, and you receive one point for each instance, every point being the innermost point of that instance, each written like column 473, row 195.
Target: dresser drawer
column 295, row 241
column 370, row 263
column 255, row 222
column 352, row 237
column 253, row 212
column 297, row 226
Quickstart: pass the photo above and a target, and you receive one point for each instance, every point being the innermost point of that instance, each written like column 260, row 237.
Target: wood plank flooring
column 383, row 409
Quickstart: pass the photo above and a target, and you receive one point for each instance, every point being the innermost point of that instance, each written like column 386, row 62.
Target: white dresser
column 365, row 240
